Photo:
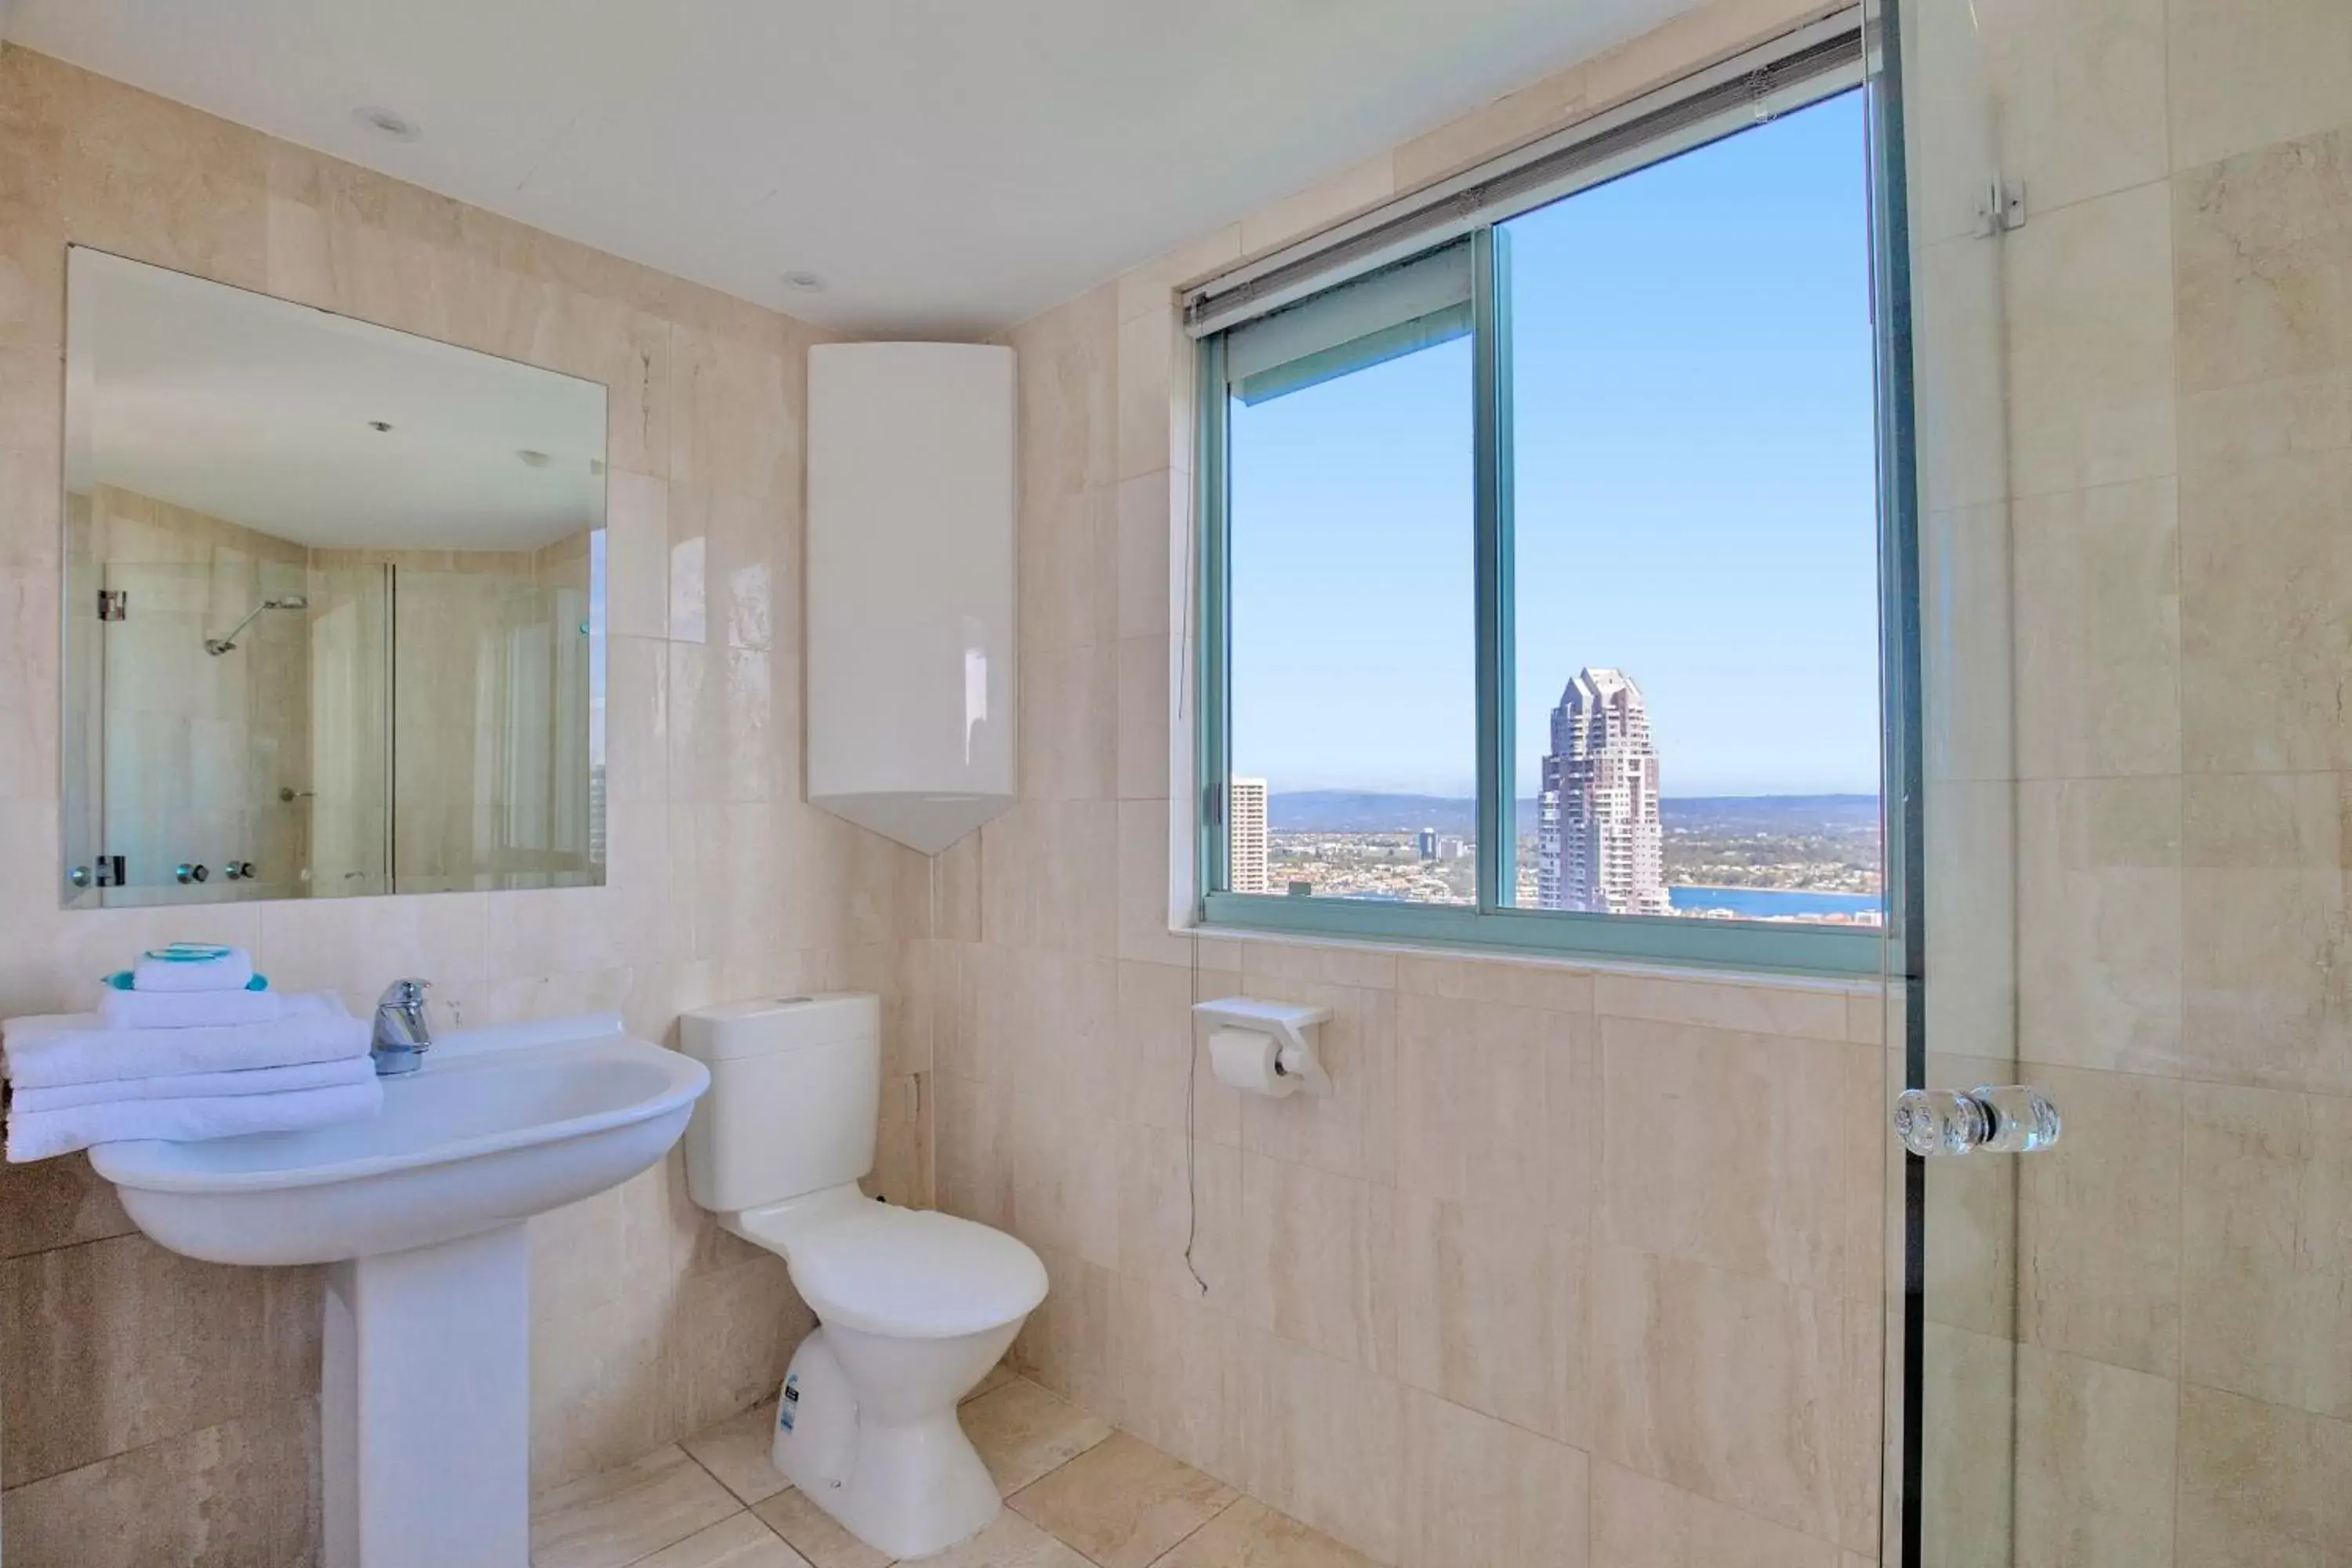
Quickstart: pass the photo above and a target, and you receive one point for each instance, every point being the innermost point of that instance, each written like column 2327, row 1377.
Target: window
column 1540, row 565
column 1351, row 612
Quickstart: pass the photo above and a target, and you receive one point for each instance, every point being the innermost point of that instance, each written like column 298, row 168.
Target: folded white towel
column 189, row 1009
column 192, row 966
column 199, row 1085
column 74, row 1047
column 38, row 1134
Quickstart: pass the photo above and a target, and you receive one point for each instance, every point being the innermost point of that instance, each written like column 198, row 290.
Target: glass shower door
column 2118, row 235
column 1952, row 1461
column 491, row 662
column 348, row 806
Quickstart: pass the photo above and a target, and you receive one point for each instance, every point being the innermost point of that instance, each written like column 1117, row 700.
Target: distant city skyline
column 1603, row 839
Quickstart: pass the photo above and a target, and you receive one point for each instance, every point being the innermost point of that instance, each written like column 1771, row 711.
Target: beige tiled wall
column 159, row 1410
column 1515, row 1288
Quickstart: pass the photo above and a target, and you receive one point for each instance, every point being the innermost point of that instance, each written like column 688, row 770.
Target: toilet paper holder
column 1291, row 1027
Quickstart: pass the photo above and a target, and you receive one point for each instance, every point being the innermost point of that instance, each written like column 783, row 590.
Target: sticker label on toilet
column 789, row 1404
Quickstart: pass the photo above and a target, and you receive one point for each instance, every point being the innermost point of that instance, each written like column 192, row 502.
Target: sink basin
column 425, row 1381
column 498, row 1125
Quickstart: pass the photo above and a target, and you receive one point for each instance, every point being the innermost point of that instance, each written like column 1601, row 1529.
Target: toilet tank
column 795, row 1089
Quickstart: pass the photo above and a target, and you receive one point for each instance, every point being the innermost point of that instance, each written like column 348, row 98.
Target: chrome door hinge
column 2000, row 207
column 114, row 604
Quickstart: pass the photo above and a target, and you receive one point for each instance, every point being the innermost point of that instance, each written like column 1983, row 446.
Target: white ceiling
column 946, row 168
column 263, row 411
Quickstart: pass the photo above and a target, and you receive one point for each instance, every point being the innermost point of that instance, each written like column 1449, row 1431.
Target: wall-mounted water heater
column 911, row 645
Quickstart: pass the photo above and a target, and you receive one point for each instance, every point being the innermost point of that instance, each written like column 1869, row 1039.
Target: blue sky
column 1693, row 434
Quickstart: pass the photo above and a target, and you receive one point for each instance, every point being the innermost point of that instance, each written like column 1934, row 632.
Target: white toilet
column 915, row 1306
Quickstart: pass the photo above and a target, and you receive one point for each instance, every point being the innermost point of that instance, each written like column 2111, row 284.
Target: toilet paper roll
column 1245, row 1060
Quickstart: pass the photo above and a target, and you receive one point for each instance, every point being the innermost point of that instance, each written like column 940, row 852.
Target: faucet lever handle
column 404, row 993
column 403, row 1032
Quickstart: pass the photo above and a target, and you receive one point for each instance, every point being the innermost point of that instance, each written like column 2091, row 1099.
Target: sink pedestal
column 425, row 1406
column 418, row 1211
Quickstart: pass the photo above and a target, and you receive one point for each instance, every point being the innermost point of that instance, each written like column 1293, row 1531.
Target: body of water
column 1761, row 903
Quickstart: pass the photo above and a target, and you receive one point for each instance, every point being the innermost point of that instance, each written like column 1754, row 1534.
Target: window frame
column 1833, row 951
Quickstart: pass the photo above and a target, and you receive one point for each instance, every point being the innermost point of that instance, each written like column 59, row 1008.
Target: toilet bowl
column 913, row 1307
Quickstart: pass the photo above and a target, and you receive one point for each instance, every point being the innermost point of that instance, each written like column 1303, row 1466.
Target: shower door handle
column 1993, row 1118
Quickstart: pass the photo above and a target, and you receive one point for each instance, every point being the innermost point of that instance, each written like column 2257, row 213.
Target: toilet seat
column 913, row 1274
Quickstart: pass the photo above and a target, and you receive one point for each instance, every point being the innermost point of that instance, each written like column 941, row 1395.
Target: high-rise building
column 1426, row 841
column 1245, row 827
column 1599, row 845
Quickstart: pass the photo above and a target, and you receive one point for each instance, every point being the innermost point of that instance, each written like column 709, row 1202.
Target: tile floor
column 1077, row 1493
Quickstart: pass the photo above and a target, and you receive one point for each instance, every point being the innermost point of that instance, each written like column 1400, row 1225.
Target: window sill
column 1853, row 981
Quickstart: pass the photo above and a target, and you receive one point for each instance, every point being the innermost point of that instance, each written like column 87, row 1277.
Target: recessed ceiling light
column 532, row 459
column 806, row 282
column 386, row 124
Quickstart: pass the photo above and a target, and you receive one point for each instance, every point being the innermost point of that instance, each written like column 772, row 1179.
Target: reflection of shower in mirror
column 392, row 697
column 219, row 646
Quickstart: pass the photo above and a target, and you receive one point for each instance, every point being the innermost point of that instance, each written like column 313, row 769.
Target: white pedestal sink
column 424, row 1399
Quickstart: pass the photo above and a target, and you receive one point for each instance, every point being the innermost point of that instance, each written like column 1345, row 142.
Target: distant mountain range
column 1352, row 811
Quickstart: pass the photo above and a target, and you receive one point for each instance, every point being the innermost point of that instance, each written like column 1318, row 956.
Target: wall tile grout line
column 61, row 1246
column 243, row 1413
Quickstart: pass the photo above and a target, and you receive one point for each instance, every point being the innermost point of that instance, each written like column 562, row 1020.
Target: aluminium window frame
column 1490, row 924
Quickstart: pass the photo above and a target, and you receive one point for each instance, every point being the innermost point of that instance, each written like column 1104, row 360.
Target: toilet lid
column 916, row 1274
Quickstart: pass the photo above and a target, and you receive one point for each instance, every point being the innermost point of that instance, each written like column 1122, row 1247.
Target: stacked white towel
column 185, row 1065
column 200, row 1085
column 41, row 1134
column 188, row 1010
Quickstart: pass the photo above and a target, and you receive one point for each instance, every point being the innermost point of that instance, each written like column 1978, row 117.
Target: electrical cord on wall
column 1191, row 1148
column 1191, row 1040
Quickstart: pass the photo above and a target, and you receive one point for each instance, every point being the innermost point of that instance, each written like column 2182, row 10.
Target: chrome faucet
column 402, row 1033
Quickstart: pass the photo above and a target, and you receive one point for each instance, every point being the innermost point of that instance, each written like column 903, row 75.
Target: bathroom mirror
column 334, row 604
